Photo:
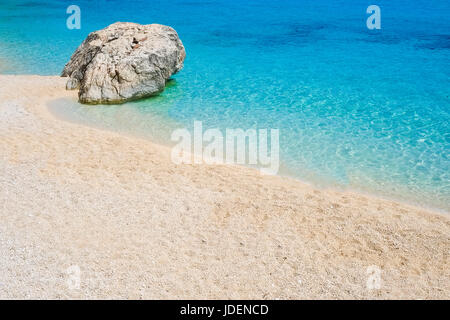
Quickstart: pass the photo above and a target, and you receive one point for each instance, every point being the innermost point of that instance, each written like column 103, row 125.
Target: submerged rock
column 123, row 62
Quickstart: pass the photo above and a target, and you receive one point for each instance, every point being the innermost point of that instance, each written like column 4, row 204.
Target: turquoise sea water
column 362, row 109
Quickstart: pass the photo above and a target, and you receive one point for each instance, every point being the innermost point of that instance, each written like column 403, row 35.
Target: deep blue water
column 356, row 108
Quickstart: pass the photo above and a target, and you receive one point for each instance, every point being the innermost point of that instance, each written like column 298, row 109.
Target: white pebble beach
column 137, row 226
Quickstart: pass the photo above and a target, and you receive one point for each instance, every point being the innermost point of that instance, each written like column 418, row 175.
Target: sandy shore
column 116, row 209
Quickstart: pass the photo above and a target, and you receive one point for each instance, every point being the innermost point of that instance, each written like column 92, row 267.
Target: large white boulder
column 125, row 61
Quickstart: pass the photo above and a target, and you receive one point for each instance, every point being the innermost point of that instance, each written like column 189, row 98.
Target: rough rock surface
column 123, row 62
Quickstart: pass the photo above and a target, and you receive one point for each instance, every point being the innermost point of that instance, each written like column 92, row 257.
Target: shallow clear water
column 360, row 109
